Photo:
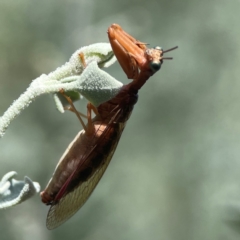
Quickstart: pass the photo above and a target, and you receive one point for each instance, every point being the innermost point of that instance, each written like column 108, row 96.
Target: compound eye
column 158, row 48
column 155, row 66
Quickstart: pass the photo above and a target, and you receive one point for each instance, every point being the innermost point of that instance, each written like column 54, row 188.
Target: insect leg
column 90, row 108
column 82, row 58
column 69, row 108
column 93, row 108
column 73, row 109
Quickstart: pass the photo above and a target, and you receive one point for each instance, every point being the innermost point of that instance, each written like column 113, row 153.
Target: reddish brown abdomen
column 81, row 159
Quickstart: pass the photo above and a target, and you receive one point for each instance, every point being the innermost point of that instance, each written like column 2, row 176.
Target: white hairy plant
column 81, row 75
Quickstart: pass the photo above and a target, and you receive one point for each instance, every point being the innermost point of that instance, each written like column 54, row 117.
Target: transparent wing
column 70, row 203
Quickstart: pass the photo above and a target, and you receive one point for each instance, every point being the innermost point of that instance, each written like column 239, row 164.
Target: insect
column 87, row 157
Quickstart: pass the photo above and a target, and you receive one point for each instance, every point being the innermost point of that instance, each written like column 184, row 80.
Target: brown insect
column 87, row 157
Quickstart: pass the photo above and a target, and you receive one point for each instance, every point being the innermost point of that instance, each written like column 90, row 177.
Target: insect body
column 87, row 157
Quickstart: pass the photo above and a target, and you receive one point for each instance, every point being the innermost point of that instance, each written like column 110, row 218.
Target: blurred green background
column 176, row 172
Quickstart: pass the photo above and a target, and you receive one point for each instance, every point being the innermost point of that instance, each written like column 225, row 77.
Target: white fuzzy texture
column 98, row 52
column 98, row 86
column 93, row 83
column 13, row 192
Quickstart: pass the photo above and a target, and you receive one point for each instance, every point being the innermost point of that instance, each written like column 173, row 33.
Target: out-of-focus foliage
column 176, row 172
column 13, row 192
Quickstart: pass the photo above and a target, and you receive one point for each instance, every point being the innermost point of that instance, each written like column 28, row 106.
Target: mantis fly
column 87, row 157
